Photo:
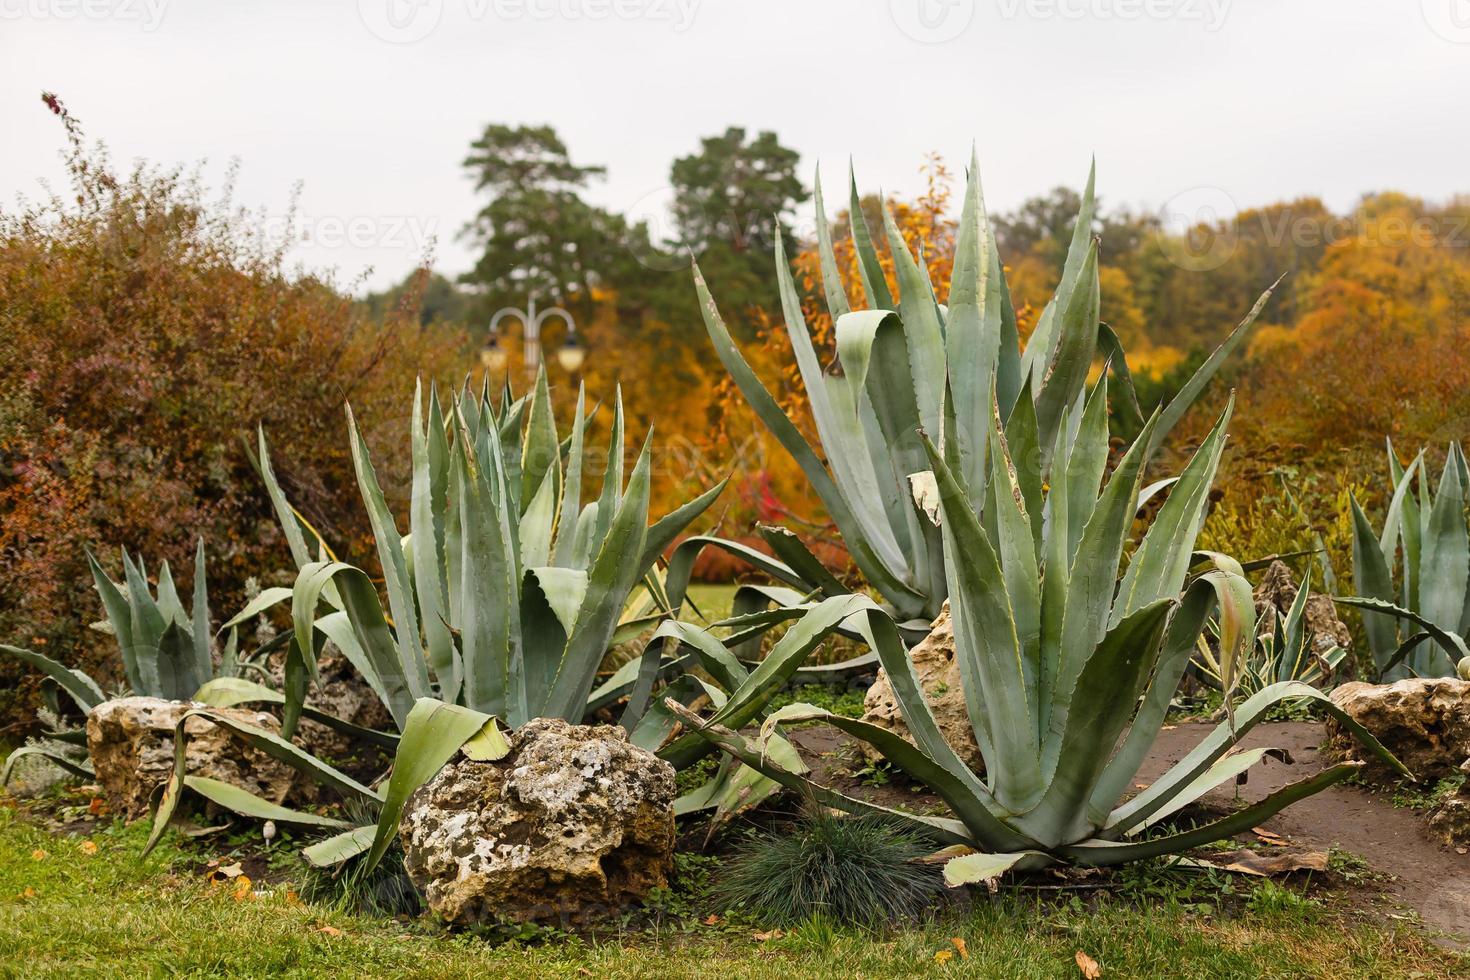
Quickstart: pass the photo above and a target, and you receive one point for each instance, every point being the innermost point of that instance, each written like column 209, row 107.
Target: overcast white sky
column 370, row 103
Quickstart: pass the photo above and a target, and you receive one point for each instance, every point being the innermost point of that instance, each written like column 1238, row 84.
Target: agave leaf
column 369, row 630
column 1372, row 579
column 1230, row 767
column 611, row 579
column 837, row 303
column 80, row 768
column 390, row 556
column 428, row 504
column 434, row 732
column 971, row 338
column 540, row 449
column 882, row 577
column 681, row 566
column 732, row 743
column 1103, row 853
column 82, row 689
column 340, row 847
column 988, row 646
column 790, row 549
column 247, row 804
column 176, row 676
column 1445, row 565
column 1451, row 643
column 571, row 497
column 265, row 600
column 870, row 270
column 922, row 331
column 956, row 785
column 1182, row 401
column 664, row 530
column 203, row 662
column 1121, row 665
column 985, row 869
column 1066, row 375
column 1132, row 813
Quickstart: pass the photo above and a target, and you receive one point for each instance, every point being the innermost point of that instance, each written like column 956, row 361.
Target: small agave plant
column 1286, row 651
column 888, row 381
column 1432, row 599
column 1068, row 657
column 167, row 652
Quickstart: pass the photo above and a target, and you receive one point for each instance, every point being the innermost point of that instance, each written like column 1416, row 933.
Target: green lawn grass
column 65, row 911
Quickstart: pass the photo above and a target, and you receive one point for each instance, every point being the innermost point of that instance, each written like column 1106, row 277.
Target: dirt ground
column 1424, row 876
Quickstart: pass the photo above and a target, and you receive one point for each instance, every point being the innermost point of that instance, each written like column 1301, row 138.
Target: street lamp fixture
column 570, row 355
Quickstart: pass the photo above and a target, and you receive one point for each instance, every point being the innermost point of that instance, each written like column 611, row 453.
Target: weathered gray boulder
column 131, row 743
column 939, row 675
column 574, row 823
column 1423, row 721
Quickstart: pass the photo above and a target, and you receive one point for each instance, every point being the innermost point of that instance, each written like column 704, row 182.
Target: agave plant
column 504, row 599
column 1287, row 650
column 1068, row 666
column 167, row 652
column 888, row 382
column 1432, row 598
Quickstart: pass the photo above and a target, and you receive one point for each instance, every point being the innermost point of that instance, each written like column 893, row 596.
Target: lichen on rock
column 573, row 824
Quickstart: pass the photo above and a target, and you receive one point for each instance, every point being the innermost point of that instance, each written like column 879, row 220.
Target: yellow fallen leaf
column 944, row 956
column 1091, row 968
column 329, row 930
column 959, row 946
column 28, row 893
column 242, row 890
column 38, row 855
column 89, row 848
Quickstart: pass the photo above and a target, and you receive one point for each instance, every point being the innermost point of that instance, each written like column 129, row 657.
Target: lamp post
column 570, row 355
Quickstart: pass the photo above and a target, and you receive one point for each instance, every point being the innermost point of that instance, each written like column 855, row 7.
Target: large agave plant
column 1432, row 598
column 1068, row 656
column 888, row 379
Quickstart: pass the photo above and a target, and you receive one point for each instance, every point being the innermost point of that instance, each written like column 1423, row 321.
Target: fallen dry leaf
column 242, row 892
column 712, row 919
column 761, row 937
column 38, row 855
column 1091, row 968
column 225, row 872
column 944, row 956
column 28, row 893
column 329, row 930
column 97, row 807
column 959, row 946
column 88, row 848
column 1269, row 836
column 1266, row 865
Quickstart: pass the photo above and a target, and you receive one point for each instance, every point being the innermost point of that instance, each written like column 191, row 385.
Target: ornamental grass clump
column 855, row 870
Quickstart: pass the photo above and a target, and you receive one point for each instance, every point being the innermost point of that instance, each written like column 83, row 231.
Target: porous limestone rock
column 343, row 694
column 1450, row 818
column 131, row 743
column 939, row 676
column 1424, row 721
column 573, row 824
